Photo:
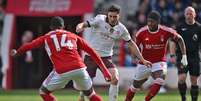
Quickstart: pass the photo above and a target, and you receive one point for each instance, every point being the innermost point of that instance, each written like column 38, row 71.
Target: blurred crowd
column 172, row 11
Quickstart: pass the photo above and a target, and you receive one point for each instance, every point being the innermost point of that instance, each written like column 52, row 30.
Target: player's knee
column 115, row 81
column 88, row 92
column 193, row 82
column 43, row 90
column 159, row 81
column 115, row 76
column 181, row 81
column 182, row 77
column 136, row 84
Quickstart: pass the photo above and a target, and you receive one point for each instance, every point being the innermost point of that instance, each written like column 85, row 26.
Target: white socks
column 81, row 96
column 113, row 92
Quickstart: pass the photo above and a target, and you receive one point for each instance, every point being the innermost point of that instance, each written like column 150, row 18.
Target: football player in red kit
column 61, row 46
column 153, row 39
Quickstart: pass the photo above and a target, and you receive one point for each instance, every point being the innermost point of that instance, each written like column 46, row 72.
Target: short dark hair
column 114, row 8
column 56, row 22
column 155, row 15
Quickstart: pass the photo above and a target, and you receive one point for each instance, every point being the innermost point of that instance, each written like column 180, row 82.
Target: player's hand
column 14, row 52
column 107, row 76
column 184, row 60
column 79, row 28
column 147, row 63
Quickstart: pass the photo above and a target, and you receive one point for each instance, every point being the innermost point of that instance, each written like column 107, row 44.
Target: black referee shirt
column 192, row 38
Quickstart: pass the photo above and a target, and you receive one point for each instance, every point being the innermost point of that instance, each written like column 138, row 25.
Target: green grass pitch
column 72, row 95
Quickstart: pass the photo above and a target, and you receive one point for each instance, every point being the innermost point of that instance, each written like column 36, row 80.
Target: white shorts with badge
column 143, row 72
column 80, row 77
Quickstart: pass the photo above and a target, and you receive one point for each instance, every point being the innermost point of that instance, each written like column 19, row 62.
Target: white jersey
column 103, row 35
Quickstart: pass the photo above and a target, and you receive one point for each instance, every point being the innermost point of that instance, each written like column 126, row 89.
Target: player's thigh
column 158, row 74
column 82, row 80
column 142, row 72
column 54, row 81
column 111, row 67
column 159, row 66
column 91, row 66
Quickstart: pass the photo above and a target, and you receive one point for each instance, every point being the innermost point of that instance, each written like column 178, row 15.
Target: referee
column 190, row 30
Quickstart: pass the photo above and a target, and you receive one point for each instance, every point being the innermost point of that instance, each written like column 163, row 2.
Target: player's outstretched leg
column 130, row 93
column 133, row 89
column 114, row 86
column 91, row 94
column 46, row 95
column 158, row 82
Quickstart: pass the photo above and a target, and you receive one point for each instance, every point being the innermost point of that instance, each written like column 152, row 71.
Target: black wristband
column 172, row 55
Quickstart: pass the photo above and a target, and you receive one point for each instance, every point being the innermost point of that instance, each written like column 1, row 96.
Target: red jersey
column 61, row 46
column 153, row 44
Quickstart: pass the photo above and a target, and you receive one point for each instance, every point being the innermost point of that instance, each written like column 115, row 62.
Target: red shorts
column 92, row 66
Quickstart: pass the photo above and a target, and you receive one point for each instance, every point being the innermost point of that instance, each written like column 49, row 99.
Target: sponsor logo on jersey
column 148, row 46
column 111, row 30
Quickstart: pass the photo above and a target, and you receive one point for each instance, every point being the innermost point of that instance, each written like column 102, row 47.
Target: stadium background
column 17, row 16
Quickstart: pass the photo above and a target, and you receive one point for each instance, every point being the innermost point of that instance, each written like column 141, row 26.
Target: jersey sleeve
column 173, row 34
column 126, row 35
column 138, row 37
column 82, row 44
column 34, row 44
column 95, row 21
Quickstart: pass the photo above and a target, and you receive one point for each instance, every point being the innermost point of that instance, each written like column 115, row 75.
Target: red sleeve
column 28, row 46
column 82, row 44
column 172, row 33
column 137, row 38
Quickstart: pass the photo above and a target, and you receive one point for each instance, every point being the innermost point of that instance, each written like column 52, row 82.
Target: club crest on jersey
column 195, row 37
column 111, row 30
column 183, row 29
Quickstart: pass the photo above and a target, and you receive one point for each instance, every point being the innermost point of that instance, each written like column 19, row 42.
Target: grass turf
column 72, row 95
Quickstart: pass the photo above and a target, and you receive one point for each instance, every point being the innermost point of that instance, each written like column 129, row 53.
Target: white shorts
column 80, row 77
column 143, row 72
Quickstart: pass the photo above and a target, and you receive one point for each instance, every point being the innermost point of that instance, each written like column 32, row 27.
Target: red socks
column 130, row 95
column 48, row 97
column 153, row 91
column 95, row 97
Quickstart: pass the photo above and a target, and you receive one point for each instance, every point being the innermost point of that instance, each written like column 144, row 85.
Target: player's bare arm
column 81, row 26
column 182, row 46
column 172, row 50
column 28, row 46
column 136, row 52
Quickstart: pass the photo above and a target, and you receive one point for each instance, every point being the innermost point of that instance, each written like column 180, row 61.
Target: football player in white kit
column 105, row 30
